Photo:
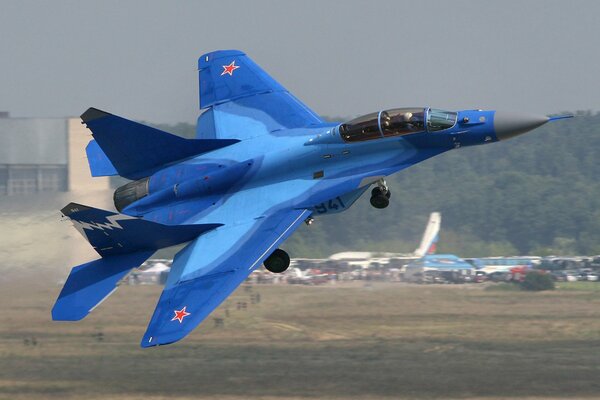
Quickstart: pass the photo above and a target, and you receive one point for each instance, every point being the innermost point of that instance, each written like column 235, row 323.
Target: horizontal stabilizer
column 135, row 150
column 90, row 283
column 113, row 234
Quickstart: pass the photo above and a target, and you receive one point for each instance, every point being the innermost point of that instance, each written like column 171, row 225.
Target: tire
column 378, row 192
column 277, row 262
column 380, row 201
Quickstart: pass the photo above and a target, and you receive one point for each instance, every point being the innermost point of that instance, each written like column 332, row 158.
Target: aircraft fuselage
column 316, row 158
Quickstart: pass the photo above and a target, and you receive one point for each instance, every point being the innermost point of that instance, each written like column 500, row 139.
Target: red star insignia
column 180, row 315
column 228, row 69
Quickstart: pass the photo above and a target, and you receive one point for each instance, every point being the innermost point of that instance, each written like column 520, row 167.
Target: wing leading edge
column 210, row 268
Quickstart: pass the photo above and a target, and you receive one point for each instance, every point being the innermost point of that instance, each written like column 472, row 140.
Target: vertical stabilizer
column 430, row 237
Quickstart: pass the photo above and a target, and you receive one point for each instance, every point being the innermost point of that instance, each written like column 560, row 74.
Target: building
column 44, row 155
column 43, row 166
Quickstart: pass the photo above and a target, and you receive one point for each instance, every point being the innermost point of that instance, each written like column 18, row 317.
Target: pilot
column 385, row 120
column 400, row 123
column 413, row 123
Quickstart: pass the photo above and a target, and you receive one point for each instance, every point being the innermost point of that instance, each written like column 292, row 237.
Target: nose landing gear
column 380, row 195
column 277, row 262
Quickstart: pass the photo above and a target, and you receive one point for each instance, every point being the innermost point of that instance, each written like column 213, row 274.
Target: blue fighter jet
column 262, row 164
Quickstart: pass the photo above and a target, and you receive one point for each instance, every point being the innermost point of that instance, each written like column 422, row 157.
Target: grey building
column 43, row 155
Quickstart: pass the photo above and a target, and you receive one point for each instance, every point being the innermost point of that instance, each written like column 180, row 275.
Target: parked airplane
column 433, row 268
column 308, row 277
column 262, row 164
column 430, row 236
column 366, row 258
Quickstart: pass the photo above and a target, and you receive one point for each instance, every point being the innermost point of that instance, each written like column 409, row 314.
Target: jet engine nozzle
column 508, row 124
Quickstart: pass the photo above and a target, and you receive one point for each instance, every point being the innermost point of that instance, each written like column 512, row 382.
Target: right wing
column 210, row 268
column 243, row 101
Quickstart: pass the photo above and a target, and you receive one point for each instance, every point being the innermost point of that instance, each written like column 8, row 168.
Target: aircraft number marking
column 331, row 205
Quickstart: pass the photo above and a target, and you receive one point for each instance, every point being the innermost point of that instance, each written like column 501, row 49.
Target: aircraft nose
column 507, row 124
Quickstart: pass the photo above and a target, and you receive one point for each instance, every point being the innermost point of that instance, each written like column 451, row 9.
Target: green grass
column 340, row 342
column 579, row 286
column 503, row 287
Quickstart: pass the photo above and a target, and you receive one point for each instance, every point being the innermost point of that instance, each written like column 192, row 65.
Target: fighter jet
column 262, row 164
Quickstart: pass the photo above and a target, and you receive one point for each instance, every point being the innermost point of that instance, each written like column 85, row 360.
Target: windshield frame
column 428, row 127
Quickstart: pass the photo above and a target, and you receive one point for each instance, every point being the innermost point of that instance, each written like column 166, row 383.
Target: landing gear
column 277, row 262
column 380, row 195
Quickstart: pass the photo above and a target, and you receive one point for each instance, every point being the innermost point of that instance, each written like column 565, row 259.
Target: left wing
column 211, row 267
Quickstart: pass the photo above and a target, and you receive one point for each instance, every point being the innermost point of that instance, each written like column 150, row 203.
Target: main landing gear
column 277, row 262
column 380, row 195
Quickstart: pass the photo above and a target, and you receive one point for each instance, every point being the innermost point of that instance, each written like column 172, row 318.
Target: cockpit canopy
column 396, row 122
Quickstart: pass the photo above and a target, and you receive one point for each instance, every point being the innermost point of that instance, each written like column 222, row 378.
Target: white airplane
column 427, row 246
column 430, row 236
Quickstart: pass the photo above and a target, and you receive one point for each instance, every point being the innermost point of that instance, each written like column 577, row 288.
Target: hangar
column 44, row 155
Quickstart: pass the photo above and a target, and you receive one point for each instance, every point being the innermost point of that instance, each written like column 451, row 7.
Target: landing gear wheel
column 380, row 196
column 380, row 201
column 277, row 262
column 379, row 192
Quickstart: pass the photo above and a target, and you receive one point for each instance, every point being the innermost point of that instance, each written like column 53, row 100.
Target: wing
column 210, row 268
column 133, row 150
column 243, row 101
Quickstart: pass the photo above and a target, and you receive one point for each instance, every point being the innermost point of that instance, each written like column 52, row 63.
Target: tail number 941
column 331, row 206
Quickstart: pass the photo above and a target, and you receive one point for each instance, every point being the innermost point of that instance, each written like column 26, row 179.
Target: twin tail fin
column 133, row 150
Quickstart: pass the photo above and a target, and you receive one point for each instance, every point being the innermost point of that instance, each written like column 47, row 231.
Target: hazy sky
column 342, row 58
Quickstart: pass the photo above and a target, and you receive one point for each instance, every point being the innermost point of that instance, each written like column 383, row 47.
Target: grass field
column 340, row 342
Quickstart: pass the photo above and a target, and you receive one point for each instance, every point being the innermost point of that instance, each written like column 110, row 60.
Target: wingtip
column 67, row 309
column 146, row 343
column 205, row 59
column 72, row 208
column 59, row 313
column 149, row 341
column 92, row 114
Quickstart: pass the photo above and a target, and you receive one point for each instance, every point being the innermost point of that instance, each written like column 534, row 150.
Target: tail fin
column 242, row 100
column 115, row 234
column 430, row 236
column 135, row 151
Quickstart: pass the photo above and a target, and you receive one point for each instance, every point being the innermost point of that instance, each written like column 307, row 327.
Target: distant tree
column 537, row 281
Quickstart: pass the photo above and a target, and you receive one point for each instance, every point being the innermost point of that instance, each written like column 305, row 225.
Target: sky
column 138, row 59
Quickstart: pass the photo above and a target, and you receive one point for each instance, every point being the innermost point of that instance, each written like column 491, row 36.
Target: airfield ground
column 346, row 341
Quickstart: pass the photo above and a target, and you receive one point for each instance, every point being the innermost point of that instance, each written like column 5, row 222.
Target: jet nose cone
column 507, row 124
